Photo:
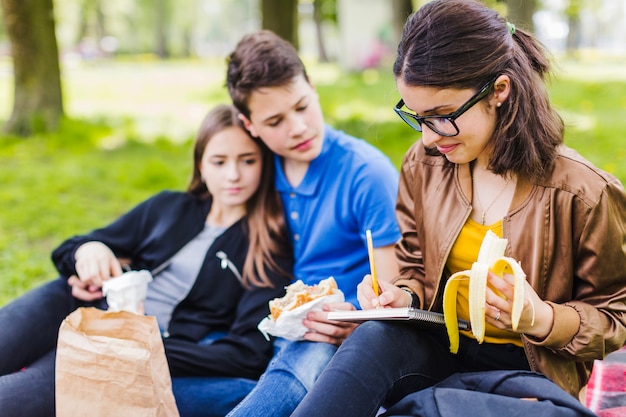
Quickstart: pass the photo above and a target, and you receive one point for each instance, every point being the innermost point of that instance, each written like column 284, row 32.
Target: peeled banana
column 490, row 258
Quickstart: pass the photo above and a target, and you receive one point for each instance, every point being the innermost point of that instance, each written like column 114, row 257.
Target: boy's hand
column 324, row 330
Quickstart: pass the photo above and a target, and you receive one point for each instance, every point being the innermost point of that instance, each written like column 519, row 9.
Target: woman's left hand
column 537, row 316
column 84, row 291
column 324, row 330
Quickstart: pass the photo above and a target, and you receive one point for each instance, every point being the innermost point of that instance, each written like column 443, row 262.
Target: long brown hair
column 463, row 44
column 265, row 222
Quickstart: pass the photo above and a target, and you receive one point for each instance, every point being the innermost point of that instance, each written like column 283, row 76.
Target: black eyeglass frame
column 416, row 121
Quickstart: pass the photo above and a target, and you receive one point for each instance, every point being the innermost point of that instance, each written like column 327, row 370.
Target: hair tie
column 511, row 27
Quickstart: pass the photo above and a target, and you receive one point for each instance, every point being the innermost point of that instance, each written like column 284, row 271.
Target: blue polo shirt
column 349, row 188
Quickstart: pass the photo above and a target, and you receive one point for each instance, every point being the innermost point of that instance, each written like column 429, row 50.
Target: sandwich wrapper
column 289, row 323
column 128, row 291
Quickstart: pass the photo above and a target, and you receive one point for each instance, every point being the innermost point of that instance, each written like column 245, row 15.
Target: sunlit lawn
column 133, row 123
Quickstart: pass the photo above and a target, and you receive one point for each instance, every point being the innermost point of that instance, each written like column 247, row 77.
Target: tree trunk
column 86, row 29
column 574, row 34
column 573, row 11
column 319, row 20
column 101, row 30
column 520, row 13
column 401, row 9
column 162, row 26
column 83, row 23
column 38, row 103
column 281, row 17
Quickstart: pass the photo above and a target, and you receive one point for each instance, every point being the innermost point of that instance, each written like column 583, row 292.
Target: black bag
column 491, row 394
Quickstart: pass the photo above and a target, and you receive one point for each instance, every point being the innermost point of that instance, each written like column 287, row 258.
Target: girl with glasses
column 491, row 158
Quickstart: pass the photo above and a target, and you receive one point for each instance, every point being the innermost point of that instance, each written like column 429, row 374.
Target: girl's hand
column 537, row 316
column 84, row 291
column 390, row 295
column 96, row 263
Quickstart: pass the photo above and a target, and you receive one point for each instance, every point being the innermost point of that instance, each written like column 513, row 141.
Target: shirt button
column 294, row 215
column 296, row 237
column 292, row 195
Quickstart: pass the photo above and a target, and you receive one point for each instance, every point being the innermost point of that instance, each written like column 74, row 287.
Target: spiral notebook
column 394, row 314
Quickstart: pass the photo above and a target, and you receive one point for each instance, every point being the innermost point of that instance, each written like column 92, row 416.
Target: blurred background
column 100, row 100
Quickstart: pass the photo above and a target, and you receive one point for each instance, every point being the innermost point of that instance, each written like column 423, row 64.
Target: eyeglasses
column 443, row 124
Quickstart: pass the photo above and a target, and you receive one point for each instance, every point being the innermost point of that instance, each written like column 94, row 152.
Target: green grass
column 133, row 124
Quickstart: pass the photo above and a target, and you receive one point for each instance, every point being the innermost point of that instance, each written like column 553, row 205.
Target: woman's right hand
column 96, row 263
column 390, row 295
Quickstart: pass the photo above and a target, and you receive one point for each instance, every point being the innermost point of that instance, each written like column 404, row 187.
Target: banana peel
column 490, row 258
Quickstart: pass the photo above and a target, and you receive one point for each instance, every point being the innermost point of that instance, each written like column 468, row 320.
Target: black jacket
column 149, row 235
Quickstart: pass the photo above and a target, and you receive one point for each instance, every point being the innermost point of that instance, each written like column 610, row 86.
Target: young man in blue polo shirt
column 333, row 186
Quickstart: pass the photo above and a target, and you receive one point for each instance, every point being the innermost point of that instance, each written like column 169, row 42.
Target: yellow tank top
column 463, row 254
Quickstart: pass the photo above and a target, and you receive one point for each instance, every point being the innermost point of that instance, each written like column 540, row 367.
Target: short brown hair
column 463, row 44
column 261, row 59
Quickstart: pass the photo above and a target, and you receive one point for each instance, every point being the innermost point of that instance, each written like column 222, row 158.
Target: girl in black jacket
column 218, row 254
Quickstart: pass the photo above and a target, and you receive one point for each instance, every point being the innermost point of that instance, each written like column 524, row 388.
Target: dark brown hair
column 261, row 59
column 266, row 226
column 462, row 44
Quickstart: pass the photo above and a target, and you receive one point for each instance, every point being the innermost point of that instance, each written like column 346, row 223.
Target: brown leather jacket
column 568, row 231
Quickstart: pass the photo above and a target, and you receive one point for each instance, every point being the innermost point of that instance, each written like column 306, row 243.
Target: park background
column 138, row 77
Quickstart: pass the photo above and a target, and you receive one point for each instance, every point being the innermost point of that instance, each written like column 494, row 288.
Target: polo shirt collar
column 314, row 173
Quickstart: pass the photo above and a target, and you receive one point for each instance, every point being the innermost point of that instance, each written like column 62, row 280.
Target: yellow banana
column 490, row 258
column 449, row 308
column 507, row 265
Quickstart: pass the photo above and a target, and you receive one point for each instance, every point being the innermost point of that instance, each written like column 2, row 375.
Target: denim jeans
column 209, row 396
column 30, row 326
column 382, row 362
column 290, row 374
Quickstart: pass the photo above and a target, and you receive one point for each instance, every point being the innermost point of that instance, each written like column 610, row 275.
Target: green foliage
column 591, row 98
column 122, row 147
column 59, row 185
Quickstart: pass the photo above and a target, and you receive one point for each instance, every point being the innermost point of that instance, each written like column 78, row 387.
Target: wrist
column 543, row 322
column 413, row 299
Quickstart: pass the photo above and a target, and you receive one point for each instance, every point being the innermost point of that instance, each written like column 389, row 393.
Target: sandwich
column 299, row 293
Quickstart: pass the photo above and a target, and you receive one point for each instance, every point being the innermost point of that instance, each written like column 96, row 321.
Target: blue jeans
column 290, row 374
column 209, row 396
column 30, row 326
column 382, row 362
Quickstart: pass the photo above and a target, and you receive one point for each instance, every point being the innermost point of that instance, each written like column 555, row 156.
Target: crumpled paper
column 128, row 291
column 111, row 364
column 289, row 323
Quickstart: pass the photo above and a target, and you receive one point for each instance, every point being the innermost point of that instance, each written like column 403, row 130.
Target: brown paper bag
column 112, row 364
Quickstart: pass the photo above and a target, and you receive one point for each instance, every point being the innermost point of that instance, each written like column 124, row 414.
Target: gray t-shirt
column 173, row 283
